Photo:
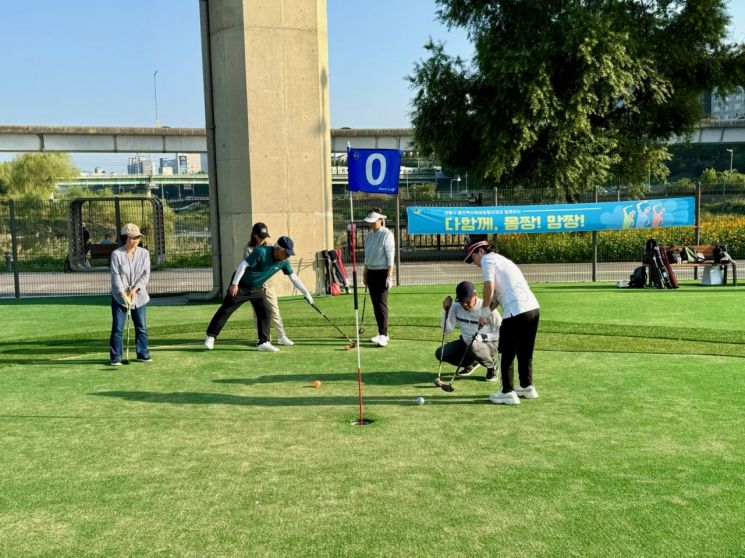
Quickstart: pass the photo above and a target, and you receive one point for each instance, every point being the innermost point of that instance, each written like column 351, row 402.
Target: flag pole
column 353, row 231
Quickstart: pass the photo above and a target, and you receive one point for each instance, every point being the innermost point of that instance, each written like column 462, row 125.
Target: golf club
column 362, row 321
column 352, row 344
column 129, row 328
column 442, row 344
column 449, row 386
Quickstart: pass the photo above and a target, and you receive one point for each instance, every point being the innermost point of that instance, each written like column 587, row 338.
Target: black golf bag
column 661, row 274
column 337, row 266
column 331, row 287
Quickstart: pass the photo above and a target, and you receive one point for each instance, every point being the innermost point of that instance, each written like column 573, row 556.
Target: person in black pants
column 380, row 248
column 247, row 286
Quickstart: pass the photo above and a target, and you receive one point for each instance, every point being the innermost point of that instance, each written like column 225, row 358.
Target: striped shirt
column 127, row 273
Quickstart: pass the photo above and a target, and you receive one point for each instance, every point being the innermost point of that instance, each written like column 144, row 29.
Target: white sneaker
column 284, row 340
column 375, row 339
column 209, row 343
column 267, row 347
column 526, row 392
column 500, row 398
column 382, row 341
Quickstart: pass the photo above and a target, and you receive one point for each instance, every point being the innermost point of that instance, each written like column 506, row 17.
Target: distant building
column 729, row 107
column 141, row 164
column 203, row 162
column 182, row 163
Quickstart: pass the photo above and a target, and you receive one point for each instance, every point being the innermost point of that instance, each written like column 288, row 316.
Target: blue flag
column 373, row 170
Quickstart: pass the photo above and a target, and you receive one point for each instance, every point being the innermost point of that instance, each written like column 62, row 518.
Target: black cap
column 464, row 291
column 260, row 230
column 286, row 243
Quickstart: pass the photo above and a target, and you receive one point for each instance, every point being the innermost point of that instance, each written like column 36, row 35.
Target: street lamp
column 731, row 157
column 155, row 90
column 451, row 184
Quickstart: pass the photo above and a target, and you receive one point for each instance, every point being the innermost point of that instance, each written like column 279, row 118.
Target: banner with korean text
column 592, row 216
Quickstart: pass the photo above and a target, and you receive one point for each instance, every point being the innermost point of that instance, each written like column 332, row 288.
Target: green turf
column 636, row 446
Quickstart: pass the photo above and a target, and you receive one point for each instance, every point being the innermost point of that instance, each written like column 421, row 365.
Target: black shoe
column 468, row 370
column 491, row 375
column 145, row 358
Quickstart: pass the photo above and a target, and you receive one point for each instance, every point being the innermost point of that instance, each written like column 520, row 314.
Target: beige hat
column 131, row 230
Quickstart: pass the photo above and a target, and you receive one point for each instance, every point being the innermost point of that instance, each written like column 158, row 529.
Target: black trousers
column 517, row 338
column 231, row 303
column 379, row 297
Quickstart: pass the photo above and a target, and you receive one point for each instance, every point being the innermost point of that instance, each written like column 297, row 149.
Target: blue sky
column 91, row 62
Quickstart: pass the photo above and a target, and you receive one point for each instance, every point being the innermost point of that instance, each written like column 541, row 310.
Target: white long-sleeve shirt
column 380, row 249
column 468, row 321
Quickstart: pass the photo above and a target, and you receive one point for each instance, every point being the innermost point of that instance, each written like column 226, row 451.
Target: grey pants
column 481, row 351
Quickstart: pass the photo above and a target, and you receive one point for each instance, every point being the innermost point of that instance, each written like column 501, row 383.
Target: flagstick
column 353, row 230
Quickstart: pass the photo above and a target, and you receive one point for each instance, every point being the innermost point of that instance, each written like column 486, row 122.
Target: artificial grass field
column 636, row 446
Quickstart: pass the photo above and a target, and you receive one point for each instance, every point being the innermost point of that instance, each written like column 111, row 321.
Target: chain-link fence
column 544, row 257
column 37, row 239
column 63, row 247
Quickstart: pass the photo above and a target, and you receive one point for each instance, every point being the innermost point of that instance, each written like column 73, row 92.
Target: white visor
column 373, row 216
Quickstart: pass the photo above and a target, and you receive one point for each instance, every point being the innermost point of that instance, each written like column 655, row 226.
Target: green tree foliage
column 34, row 175
column 4, row 179
column 566, row 94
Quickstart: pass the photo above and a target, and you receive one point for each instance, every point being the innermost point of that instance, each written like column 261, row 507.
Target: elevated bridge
column 83, row 139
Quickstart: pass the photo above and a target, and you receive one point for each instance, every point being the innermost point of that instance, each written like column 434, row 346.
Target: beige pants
column 271, row 301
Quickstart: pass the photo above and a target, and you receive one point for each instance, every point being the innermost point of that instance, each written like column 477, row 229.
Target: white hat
column 131, row 230
column 374, row 216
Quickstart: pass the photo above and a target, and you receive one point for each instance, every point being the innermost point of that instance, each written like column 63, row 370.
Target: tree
column 34, row 175
column 4, row 179
column 567, row 94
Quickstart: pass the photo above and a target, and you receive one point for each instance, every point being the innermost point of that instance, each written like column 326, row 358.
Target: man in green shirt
column 246, row 284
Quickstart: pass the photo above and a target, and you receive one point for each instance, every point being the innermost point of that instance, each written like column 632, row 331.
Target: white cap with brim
column 472, row 248
column 374, row 216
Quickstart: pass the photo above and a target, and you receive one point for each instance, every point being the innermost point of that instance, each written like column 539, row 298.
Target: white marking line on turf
column 154, row 347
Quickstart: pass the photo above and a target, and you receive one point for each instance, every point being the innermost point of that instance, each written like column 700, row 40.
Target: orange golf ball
column 317, row 384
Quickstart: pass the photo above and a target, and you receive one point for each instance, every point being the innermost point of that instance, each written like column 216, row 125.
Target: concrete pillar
column 267, row 84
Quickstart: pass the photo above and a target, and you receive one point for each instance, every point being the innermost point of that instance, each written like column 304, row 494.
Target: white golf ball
column 420, row 400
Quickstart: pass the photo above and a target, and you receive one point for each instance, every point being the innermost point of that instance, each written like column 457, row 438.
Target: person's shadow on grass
column 197, row 398
column 389, row 378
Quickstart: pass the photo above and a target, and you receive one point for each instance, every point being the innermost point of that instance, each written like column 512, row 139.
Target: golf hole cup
column 420, row 400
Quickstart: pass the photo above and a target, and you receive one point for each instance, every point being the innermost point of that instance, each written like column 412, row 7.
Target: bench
column 102, row 251
column 707, row 250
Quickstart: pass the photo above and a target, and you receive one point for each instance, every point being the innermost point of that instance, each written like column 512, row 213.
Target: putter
column 362, row 321
column 437, row 381
column 449, row 387
column 352, row 344
column 129, row 328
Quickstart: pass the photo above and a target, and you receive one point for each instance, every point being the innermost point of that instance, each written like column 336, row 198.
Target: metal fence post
column 697, row 223
column 14, row 244
column 595, row 247
column 398, row 239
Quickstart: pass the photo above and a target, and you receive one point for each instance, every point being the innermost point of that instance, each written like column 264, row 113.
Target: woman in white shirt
column 380, row 248
column 505, row 284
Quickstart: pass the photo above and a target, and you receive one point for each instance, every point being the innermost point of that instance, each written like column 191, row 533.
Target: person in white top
column 505, row 284
column 476, row 346
column 380, row 249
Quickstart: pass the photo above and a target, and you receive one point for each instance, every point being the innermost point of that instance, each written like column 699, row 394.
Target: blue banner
column 604, row 216
column 373, row 170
